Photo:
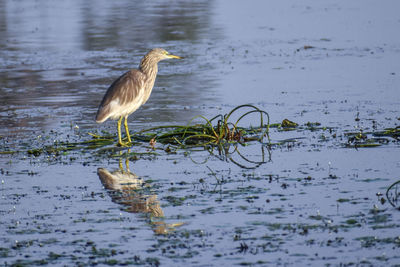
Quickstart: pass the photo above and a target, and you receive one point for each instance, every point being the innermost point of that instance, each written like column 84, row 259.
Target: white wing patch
column 118, row 110
column 115, row 109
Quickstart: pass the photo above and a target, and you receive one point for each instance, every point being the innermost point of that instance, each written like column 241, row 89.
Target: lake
column 324, row 192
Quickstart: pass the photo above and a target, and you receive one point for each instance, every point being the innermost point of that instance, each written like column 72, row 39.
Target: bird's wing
column 123, row 90
column 126, row 88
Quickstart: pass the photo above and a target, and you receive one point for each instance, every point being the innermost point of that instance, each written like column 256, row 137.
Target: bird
column 130, row 91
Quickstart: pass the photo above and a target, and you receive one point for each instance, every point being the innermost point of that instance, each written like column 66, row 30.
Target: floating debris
column 288, row 124
column 218, row 132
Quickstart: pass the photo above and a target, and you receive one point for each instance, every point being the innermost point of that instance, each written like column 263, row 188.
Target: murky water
column 310, row 201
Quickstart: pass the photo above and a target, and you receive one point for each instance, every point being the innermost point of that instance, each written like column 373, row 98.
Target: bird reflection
column 128, row 190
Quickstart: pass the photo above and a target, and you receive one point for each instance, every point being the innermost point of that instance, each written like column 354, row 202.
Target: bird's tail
column 102, row 114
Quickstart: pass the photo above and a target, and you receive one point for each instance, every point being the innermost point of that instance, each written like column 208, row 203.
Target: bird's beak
column 173, row 56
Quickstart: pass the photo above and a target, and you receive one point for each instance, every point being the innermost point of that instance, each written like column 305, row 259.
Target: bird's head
column 160, row 54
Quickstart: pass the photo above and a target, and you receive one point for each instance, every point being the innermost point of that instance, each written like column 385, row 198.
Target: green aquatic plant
column 372, row 139
column 288, row 124
column 215, row 131
column 219, row 133
column 389, row 132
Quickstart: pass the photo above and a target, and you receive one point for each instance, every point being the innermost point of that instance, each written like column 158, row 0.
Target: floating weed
column 389, row 132
column 372, row 139
column 4, row 252
column 177, row 201
column 220, row 132
column 288, row 125
column 352, row 222
column 371, row 241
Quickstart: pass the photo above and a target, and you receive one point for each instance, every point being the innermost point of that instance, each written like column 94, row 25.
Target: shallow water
column 311, row 201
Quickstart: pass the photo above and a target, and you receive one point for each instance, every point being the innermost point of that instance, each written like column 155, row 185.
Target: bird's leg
column 119, row 132
column 127, row 130
column 121, row 167
column 127, row 164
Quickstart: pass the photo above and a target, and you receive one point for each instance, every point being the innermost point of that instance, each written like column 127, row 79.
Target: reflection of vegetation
column 229, row 151
column 393, row 194
column 127, row 189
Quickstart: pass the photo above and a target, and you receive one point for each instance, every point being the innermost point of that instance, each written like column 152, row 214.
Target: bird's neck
column 149, row 66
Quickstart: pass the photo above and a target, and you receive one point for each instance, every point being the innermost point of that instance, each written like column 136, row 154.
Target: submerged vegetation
column 373, row 138
column 219, row 132
column 215, row 131
column 187, row 195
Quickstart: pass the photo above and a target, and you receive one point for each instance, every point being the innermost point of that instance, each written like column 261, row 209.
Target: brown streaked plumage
column 130, row 91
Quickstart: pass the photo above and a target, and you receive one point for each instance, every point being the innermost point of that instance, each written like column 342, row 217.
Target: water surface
column 312, row 201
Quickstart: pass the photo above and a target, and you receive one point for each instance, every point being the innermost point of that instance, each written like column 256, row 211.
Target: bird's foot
column 127, row 144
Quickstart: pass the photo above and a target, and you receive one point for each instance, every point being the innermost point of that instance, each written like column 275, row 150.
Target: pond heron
column 131, row 90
